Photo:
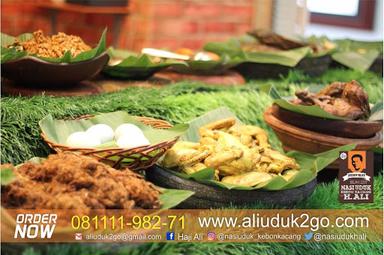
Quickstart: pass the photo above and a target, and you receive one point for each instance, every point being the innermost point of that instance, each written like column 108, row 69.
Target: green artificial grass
column 326, row 196
column 20, row 140
column 20, row 133
column 312, row 248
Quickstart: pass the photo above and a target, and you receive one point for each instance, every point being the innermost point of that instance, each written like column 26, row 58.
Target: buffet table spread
column 179, row 103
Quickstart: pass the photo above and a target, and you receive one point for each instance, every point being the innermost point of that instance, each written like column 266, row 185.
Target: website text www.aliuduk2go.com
column 303, row 220
column 285, row 227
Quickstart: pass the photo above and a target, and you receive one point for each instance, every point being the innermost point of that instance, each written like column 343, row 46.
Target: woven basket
column 138, row 158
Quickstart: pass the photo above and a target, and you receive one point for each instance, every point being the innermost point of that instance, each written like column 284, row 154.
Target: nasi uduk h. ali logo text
column 355, row 176
column 34, row 226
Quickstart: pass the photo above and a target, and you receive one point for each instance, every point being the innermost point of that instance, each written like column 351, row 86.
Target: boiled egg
column 129, row 141
column 102, row 132
column 128, row 129
column 82, row 140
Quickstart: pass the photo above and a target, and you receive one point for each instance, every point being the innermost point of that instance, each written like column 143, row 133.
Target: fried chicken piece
column 351, row 92
column 247, row 179
column 272, row 39
column 344, row 99
column 70, row 181
column 240, row 154
column 276, row 162
column 289, row 174
column 230, row 156
column 184, row 154
column 250, row 135
column 194, row 168
column 222, row 125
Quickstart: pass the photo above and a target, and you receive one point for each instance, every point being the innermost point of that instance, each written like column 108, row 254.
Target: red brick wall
column 178, row 23
column 152, row 23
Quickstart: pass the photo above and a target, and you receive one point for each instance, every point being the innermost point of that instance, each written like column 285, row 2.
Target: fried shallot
column 70, row 181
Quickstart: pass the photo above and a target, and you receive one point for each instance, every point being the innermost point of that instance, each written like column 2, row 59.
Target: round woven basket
column 139, row 158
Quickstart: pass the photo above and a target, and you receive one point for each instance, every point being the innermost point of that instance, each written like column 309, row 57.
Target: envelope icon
column 78, row 236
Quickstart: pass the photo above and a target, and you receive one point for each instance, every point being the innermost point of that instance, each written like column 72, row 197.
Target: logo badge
column 170, row 236
column 356, row 177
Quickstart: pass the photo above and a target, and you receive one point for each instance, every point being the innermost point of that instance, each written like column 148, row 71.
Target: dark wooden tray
column 312, row 66
column 35, row 72
column 214, row 197
column 228, row 78
column 340, row 128
column 84, row 88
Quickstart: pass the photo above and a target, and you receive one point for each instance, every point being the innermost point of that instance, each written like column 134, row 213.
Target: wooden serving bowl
column 36, row 72
column 339, row 128
column 295, row 138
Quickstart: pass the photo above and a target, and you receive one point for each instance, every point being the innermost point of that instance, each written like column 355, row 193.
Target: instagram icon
column 211, row 236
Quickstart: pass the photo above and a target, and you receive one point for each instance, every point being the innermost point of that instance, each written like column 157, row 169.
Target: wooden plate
column 84, row 88
column 340, row 128
column 35, row 72
column 313, row 66
column 295, row 138
column 214, row 197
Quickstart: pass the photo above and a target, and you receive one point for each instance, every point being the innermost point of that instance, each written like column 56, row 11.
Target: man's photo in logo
column 357, row 161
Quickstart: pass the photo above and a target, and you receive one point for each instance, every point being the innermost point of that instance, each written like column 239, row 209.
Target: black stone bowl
column 376, row 67
column 130, row 73
column 312, row 66
column 215, row 197
column 36, row 72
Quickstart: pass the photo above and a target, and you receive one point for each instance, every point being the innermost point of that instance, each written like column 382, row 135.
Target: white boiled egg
column 82, row 140
column 206, row 56
column 101, row 131
column 129, row 141
column 128, row 129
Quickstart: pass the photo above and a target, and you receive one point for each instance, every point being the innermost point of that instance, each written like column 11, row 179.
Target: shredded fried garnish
column 52, row 46
column 69, row 181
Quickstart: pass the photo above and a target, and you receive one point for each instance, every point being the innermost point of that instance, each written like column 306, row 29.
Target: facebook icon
column 170, row 235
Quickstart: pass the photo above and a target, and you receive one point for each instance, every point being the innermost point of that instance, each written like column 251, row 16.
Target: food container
column 99, row 2
column 36, row 72
column 299, row 139
column 131, row 66
column 377, row 66
column 135, row 159
column 312, row 66
column 340, row 128
column 207, row 196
